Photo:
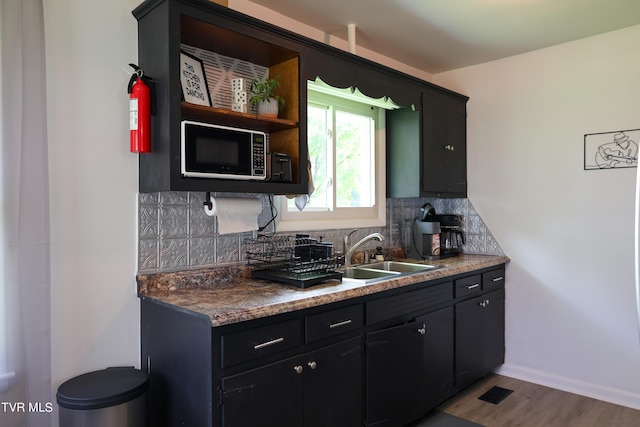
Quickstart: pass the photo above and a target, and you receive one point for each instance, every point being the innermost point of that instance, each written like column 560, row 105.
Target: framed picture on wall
column 193, row 80
column 611, row 150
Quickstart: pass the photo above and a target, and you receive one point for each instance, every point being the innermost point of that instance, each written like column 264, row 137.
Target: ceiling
column 442, row 35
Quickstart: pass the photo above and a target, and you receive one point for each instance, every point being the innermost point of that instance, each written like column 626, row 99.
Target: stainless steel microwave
column 213, row 151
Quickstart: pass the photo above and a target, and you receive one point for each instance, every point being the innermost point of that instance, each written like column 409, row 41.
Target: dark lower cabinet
column 267, row 396
column 321, row 388
column 175, row 349
column 380, row 361
column 479, row 337
column 333, row 389
column 438, row 356
column 394, row 375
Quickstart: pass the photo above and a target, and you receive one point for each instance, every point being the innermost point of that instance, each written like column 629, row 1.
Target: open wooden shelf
column 164, row 27
column 235, row 119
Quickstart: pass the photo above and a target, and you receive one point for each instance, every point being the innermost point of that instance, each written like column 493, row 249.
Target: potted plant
column 264, row 97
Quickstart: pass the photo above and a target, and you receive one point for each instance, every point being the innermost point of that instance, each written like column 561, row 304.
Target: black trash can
column 113, row 397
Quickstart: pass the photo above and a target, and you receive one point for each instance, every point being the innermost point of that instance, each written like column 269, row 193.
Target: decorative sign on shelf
column 193, row 80
column 611, row 150
column 221, row 70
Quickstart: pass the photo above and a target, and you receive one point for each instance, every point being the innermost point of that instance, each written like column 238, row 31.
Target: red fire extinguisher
column 140, row 110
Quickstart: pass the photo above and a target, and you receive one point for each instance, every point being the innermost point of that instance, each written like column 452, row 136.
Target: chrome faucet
column 346, row 243
column 351, row 250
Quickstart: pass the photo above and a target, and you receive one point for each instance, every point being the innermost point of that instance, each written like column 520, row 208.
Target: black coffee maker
column 424, row 241
column 451, row 234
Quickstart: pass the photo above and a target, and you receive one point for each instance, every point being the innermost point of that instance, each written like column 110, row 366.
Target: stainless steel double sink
column 384, row 270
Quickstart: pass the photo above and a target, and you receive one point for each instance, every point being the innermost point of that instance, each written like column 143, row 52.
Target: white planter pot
column 268, row 108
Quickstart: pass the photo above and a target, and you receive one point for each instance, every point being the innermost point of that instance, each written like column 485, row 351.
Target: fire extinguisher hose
column 139, row 74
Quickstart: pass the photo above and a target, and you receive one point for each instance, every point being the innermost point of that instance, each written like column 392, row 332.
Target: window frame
column 344, row 217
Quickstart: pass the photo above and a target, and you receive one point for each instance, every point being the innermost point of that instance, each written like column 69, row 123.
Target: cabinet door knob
column 449, row 147
column 298, row 369
column 423, row 330
column 312, row 365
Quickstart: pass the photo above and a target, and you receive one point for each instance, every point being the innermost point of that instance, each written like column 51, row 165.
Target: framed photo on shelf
column 193, row 80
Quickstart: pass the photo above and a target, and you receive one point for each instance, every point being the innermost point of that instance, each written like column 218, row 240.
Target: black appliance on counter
column 451, row 234
column 435, row 236
column 425, row 240
column 425, row 235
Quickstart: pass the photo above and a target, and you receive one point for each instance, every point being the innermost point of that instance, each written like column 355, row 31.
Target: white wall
column 93, row 186
column 571, row 320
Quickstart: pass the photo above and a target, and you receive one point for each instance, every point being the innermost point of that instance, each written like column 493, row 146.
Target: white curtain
column 25, row 343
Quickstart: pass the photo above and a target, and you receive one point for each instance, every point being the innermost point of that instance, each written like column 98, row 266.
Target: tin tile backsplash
column 174, row 233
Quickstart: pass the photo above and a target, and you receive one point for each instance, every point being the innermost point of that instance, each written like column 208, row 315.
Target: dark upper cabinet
column 426, row 149
column 342, row 69
column 164, row 26
column 403, row 153
column 444, row 145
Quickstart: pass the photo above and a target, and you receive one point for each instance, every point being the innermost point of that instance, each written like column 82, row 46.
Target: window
column 346, row 149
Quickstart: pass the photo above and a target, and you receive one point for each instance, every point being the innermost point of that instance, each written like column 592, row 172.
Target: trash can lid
column 101, row 389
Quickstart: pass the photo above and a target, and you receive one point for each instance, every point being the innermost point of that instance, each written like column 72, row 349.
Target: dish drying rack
column 296, row 260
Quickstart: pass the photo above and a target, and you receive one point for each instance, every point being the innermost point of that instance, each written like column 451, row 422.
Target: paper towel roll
column 235, row 215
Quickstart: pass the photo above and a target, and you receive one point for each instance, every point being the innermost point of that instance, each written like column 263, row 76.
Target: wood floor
column 532, row 405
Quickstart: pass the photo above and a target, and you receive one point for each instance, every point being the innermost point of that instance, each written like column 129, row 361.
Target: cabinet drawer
column 409, row 302
column 334, row 322
column 468, row 285
column 257, row 342
column 493, row 279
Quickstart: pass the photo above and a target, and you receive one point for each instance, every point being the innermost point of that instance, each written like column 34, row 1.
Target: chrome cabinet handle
column 268, row 343
column 312, row 365
column 423, row 330
column 497, row 279
column 298, row 369
column 449, row 147
column 484, row 303
column 337, row 325
column 477, row 285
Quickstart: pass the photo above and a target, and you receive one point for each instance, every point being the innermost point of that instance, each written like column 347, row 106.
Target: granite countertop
column 228, row 295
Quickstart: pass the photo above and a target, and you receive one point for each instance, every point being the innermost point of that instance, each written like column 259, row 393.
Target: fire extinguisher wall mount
column 140, row 110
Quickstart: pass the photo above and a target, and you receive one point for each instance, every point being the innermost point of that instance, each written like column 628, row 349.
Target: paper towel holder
column 207, row 201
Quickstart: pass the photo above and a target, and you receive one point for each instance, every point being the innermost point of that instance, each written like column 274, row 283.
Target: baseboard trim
column 595, row 391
